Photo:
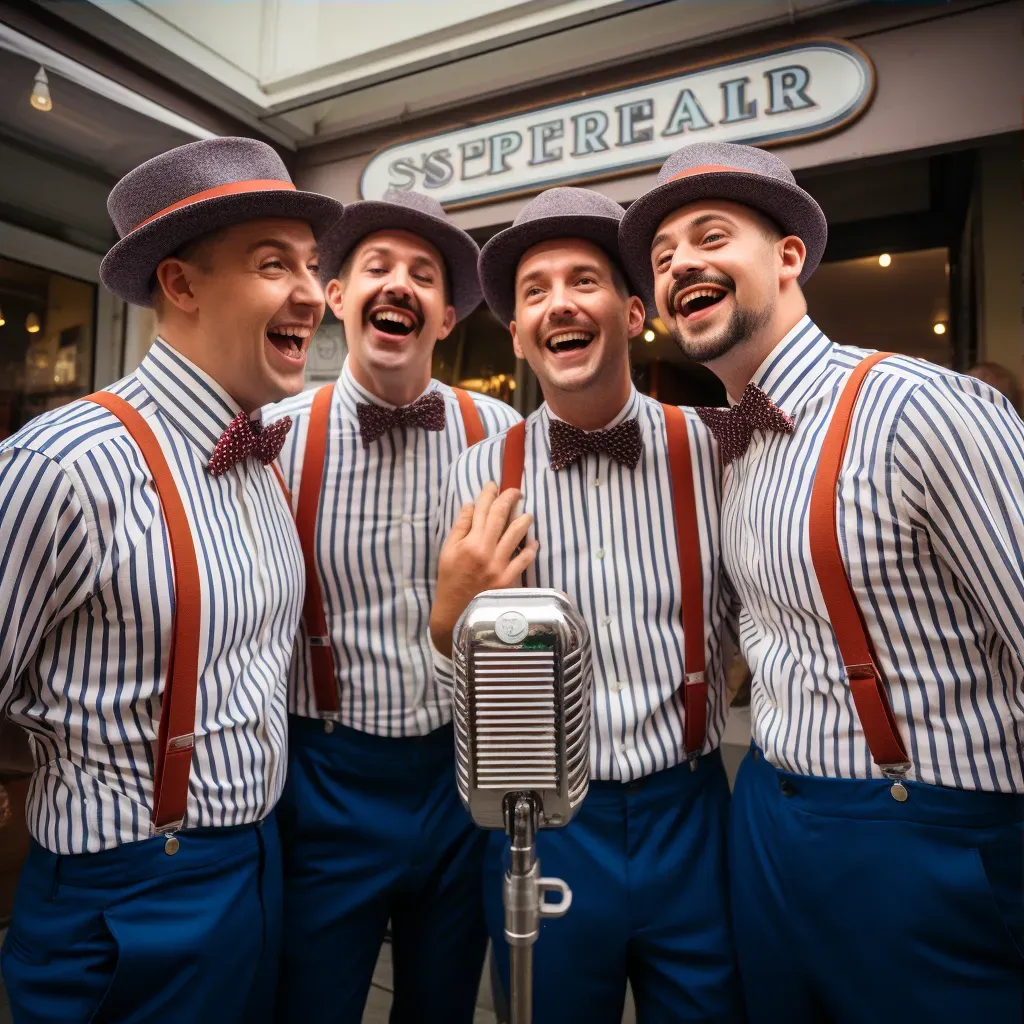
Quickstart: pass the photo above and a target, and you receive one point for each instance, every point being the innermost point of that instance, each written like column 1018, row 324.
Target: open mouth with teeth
column 398, row 323
column 291, row 340
column 569, row 341
column 699, row 299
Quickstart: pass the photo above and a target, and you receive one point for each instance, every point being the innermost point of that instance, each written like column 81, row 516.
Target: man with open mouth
column 622, row 493
column 873, row 528
column 152, row 586
column 372, row 825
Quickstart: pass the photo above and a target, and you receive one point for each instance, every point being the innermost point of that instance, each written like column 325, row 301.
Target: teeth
column 290, row 331
column 559, row 339
column 700, row 293
column 399, row 318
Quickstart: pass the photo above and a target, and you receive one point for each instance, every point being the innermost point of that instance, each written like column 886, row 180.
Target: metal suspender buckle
column 328, row 718
column 184, row 742
column 319, row 641
column 693, row 679
column 897, row 773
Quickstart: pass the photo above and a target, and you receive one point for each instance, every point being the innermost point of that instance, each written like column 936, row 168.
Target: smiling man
column 152, row 587
column 872, row 527
column 372, row 825
column 622, row 494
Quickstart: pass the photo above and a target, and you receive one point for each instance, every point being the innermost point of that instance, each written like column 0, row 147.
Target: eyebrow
column 579, row 268
column 386, row 250
column 276, row 243
column 697, row 222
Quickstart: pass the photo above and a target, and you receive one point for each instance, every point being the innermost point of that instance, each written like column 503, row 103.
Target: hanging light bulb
column 41, row 92
column 32, row 324
column 649, row 336
column 2, row 320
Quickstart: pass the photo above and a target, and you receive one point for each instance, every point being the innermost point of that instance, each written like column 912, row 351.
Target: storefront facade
column 881, row 113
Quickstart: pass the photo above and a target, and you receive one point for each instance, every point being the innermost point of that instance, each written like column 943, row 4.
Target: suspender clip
column 692, row 678
column 897, row 773
column 328, row 718
column 319, row 641
column 184, row 742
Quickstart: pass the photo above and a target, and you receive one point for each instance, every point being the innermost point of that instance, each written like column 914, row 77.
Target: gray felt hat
column 721, row 170
column 421, row 215
column 192, row 190
column 555, row 213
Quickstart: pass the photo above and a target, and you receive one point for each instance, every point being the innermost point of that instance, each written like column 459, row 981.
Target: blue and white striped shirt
column 608, row 540
column 377, row 556
column 931, row 527
column 86, row 604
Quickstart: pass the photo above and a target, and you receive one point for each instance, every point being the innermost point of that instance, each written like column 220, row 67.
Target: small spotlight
column 32, row 324
column 649, row 336
column 511, row 385
column 939, row 328
column 884, row 260
column 41, row 92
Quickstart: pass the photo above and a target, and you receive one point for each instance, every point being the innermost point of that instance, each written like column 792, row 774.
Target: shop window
column 46, row 342
column 478, row 356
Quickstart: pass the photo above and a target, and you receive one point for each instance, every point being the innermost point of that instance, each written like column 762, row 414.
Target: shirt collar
column 351, row 393
column 793, row 367
column 190, row 397
column 630, row 409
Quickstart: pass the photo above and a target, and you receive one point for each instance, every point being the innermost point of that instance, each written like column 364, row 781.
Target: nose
column 308, row 290
column 398, row 284
column 686, row 261
column 562, row 302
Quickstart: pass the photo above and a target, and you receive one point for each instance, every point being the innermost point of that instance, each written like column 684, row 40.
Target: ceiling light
column 649, row 336
column 884, row 260
column 32, row 324
column 41, row 92
column 939, row 328
column 2, row 320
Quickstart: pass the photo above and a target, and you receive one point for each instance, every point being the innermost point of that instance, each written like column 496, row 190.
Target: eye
column 586, row 280
column 424, row 278
column 272, row 264
column 712, row 236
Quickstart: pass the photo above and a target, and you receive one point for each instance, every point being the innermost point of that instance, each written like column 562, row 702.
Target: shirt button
column 600, row 552
column 597, row 483
column 625, row 748
column 618, row 686
column 606, row 620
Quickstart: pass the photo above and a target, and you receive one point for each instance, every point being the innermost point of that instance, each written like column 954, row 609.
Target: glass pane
column 46, row 342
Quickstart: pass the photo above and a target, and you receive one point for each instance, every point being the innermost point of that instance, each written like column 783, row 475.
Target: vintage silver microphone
column 522, row 707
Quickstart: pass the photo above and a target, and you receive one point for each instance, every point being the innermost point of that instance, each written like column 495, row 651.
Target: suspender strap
column 869, row 695
column 471, row 421
column 684, row 504
column 321, row 656
column 515, row 457
column 176, row 737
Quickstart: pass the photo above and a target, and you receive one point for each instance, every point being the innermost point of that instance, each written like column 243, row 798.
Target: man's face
column 573, row 322
column 716, row 276
column 255, row 294
column 392, row 302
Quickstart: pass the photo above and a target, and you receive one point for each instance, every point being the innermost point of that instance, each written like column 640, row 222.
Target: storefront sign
column 779, row 95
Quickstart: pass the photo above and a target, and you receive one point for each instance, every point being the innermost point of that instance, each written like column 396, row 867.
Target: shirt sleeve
column 47, row 565
column 959, row 454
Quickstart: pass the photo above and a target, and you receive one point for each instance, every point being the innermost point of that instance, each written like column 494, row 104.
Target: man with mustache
column 372, row 825
column 623, row 495
column 152, row 587
column 872, row 527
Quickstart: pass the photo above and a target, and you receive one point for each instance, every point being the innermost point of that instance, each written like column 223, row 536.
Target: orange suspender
column 695, row 688
column 869, row 695
column 321, row 654
column 173, row 761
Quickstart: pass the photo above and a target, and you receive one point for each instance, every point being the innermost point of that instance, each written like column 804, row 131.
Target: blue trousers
column 850, row 907
column 373, row 829
column 646, row 862
column 134, row 935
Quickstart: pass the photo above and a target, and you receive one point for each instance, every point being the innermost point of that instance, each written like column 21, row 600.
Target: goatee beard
column 742, row 326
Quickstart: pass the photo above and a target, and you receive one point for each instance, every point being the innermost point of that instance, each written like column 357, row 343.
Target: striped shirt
column 87, row 599
column 607, row 540
column 931, row 530
column 377, row 554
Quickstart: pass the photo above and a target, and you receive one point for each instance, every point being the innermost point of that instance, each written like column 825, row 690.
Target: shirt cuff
column 444, row 669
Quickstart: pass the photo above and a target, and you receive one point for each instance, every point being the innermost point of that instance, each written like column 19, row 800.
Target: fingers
column 484, row 501
column 498, row 515
column 463, row 522
column 512, row 577
column 511, row 538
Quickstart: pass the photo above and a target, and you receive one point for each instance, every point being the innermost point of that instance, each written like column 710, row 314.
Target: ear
column 334, row 293
column 175, row 279
column 516, row 347
column 792, row 253
column 447, row 324
column 635, row 316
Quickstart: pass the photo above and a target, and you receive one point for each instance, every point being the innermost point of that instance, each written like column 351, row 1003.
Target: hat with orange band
column 720, row 170
column 192, row 190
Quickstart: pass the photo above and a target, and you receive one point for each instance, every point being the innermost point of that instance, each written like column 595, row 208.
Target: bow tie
column 735, row 427
column 243, row 438
column 622, row 442
column 376, row 420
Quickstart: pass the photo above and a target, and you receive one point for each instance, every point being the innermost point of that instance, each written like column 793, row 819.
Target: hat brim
column 500, row 256
column 369, row 216
column 128, row 269
column 795, row 212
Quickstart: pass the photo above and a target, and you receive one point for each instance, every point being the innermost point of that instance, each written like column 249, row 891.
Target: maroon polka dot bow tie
column 376, row 420
column 243, row 438
column 735, row 427
column 622, row 442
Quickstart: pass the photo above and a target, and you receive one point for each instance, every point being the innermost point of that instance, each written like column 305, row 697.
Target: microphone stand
column 525, row 904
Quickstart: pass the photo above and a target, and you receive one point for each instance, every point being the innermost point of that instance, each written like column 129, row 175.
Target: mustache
column 555, row 321
column 703, row 277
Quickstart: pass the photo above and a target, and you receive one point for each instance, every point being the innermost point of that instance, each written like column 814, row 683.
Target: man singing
column 872, row 527
column 152, row 587
column 622, row 493
column 372, row 825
